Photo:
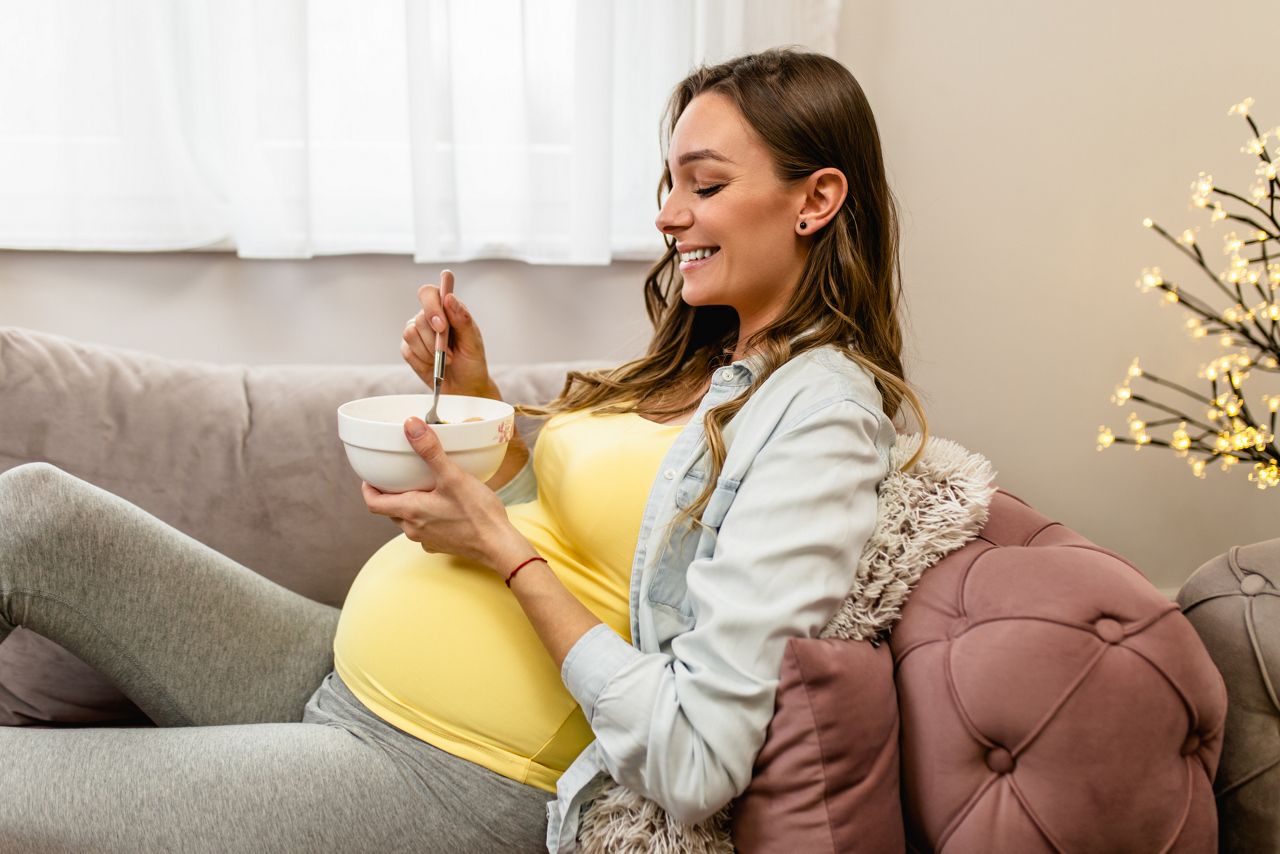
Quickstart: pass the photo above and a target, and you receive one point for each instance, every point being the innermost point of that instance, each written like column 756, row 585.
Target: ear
column 824, row 193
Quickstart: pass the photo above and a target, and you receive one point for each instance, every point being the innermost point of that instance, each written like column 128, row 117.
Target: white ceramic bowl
column 372, row 429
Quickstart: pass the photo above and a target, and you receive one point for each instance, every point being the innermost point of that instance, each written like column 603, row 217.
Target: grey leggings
column 260, row 747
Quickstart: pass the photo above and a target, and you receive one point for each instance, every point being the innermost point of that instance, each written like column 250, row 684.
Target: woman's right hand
column 467, row 370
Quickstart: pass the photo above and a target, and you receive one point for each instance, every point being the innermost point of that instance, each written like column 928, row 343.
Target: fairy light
column 1150, row 279
column 1245, row 329
column 1265, row 474
column 1242, row 108
column 1181, row 439
column 1201, row 187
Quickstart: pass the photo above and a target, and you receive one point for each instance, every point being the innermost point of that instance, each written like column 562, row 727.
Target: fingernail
column 436, row 323
column 415, row 427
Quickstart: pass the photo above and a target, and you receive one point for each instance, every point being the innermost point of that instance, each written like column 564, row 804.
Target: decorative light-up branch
column 1226, row 429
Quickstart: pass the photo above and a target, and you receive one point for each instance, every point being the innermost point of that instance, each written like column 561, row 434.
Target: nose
column 672, row 216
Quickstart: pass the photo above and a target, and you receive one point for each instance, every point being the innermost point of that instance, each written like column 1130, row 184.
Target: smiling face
column 737, row 204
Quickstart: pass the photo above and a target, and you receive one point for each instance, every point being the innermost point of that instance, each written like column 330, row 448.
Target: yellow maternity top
column 437, row 646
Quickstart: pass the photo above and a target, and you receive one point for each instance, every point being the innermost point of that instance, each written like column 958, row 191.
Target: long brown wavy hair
column 810, row 113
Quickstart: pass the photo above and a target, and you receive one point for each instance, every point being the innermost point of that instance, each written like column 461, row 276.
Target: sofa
column 1038, row 693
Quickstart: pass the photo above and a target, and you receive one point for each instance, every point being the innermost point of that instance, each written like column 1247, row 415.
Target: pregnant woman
column 614, row 605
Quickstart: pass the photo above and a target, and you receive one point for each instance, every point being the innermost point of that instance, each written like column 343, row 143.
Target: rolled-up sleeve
column 683, row 729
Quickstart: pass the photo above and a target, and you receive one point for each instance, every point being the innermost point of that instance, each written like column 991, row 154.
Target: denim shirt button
column 726, row 374
column 669, row 473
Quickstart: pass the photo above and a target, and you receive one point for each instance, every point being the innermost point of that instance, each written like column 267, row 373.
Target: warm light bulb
column 1105, row 437
column 1265, row 474
column 1181, row 439
column 1242, row 108
column 1149, row 279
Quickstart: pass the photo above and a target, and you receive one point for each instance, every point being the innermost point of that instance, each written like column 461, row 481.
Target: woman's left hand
column 460, row 515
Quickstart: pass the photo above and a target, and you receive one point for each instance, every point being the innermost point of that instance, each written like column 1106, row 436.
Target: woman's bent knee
column 32, row 503
column 30, row 477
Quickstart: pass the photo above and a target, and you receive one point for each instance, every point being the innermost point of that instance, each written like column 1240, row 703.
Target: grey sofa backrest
column 244, row 459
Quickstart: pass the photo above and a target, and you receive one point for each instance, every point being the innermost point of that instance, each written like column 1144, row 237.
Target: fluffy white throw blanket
column 922, row 515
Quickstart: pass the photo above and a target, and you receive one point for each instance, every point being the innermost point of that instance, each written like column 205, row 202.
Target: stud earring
column 803, row 226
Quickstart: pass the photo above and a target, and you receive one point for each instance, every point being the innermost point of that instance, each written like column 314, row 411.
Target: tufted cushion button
column 999, row 760
column 959, row 627
column 1251, row 585
column 1191, row 745
column 1109, row 630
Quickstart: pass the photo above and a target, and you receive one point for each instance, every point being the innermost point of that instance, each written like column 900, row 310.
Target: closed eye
column 708, row 191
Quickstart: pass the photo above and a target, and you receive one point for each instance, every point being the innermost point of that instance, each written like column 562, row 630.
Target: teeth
column 698, row 253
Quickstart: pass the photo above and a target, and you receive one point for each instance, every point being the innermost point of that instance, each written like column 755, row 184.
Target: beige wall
column 1025, row 142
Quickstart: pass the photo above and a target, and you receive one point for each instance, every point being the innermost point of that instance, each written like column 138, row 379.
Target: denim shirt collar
column 744, row 371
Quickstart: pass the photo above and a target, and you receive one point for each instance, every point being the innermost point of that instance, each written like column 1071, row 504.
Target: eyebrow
column 703, row 154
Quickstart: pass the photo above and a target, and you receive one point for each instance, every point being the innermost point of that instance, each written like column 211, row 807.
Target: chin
column 691, row 296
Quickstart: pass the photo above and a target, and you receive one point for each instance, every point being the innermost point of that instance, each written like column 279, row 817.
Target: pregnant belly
column 439, row 647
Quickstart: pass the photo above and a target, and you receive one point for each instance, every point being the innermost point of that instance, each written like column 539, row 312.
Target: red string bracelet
column 522, row 566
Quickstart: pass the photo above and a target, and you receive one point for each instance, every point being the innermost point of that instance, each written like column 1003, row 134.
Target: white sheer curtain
column 447, row 129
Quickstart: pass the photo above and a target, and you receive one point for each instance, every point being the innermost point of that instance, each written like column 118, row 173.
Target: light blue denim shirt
column 680, row 713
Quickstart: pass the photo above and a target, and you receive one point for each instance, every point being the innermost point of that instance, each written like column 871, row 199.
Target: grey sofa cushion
column 1233, row 601
column 244, row 459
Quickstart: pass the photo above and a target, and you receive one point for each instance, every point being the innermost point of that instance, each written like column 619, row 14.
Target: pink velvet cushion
column 826, row 779
column 1053, row 700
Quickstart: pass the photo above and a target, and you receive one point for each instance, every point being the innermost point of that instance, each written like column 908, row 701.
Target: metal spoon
column 446, row 288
